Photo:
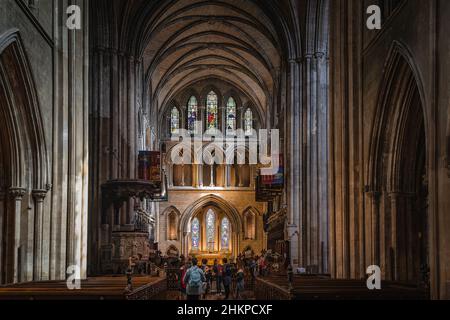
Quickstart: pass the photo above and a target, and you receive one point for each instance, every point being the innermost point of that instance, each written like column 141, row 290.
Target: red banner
column 149, row 165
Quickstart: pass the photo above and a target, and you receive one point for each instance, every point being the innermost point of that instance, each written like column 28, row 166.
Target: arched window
column 192, row 112
column 250, row 225
column 225, row 234
column 174, row 120
column 210, row 229
column 212, row 120
column 195, row 234
column 248, row 122
column 231, row 116
column 172, row 226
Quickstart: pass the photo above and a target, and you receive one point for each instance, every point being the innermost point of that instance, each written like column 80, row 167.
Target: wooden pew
column 319, row 287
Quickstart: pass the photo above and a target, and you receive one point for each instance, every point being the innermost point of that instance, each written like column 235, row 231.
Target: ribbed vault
column 192, row 40
column 181, row 42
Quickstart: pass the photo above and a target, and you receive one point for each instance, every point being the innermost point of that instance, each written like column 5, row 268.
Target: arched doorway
column 399, row 171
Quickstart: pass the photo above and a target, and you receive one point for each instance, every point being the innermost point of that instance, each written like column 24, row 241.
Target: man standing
column 218, row 272
column 194, row 278
column 226, row 278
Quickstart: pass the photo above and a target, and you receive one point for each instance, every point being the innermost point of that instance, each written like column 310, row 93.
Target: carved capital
column 39, row 195
column 319, row 55
column 17, row 193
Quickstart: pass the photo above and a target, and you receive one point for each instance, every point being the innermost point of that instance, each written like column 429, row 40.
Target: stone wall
column 54, row 233
column 361, row 60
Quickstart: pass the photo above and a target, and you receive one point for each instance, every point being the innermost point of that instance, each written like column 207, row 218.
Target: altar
column 210, row 257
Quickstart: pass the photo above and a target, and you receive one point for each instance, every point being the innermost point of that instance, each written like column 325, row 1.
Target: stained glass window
column 211, row 111
column 225, row 234
column 192, row 114
column 210, row 229
column 231, row 116
column 195, row 234
column 174, row 120
column 248, row 122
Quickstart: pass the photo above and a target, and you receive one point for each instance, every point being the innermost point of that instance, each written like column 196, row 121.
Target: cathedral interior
column 361, row 117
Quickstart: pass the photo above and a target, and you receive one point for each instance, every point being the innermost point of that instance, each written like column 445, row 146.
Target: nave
column 163, row 131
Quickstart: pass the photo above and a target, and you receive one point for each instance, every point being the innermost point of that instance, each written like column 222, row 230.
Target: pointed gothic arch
column 172, row 215
column 24, row 163
column 397, row 189
column 211, row 201
column 250, row 223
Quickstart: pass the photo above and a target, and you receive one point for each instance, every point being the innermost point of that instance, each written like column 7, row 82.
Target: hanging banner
column 277, row 180
column 149, row 166
column 270, row 186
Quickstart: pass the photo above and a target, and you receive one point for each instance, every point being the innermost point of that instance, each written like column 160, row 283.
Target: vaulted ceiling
column 242, row 42
column 232, row 40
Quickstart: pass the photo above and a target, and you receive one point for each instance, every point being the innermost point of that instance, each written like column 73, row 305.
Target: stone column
column 16, row 196
column 212, row 176
column 375, row 227
column 182, row 176
column 39, row 197
column 294, row 180
column 393, row 258
column 240, row 175
column 116, row 96
column 252, row 176
column 228, row 176
column 200, row 175
column 2, row 234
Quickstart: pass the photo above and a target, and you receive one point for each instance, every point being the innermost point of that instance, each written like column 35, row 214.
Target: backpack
column 195, row 278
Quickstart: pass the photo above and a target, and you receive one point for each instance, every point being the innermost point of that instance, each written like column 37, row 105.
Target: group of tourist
column 199, row 280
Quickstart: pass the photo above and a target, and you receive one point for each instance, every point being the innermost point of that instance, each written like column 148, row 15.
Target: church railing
column 151, row 291
column 265, row 290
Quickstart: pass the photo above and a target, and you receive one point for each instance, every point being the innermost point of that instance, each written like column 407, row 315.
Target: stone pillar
column 200, row 175
column 307, row 140
column 39, row 197
column 2, row 234
column 116, row 102
column 16, row 196
column 375, row 227
column 240, row 175
column 252, row 176
column 226, row 179
column 212, row 176
column 182, row 176
column 393, row 250
column 294, row 174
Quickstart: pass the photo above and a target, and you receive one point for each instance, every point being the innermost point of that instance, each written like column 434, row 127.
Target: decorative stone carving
column 17, row 193
column 130, row 244
column 39, row 195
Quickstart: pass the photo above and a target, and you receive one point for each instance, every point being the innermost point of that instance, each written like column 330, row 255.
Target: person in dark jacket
column 227, row 277
column 218, row 273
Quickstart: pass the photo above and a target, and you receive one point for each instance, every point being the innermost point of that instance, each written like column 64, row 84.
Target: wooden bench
column 100, row 288
column 320, row 287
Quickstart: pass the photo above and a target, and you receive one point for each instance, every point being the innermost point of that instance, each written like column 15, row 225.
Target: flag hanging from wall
column 276, row 180
column 149, row 166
